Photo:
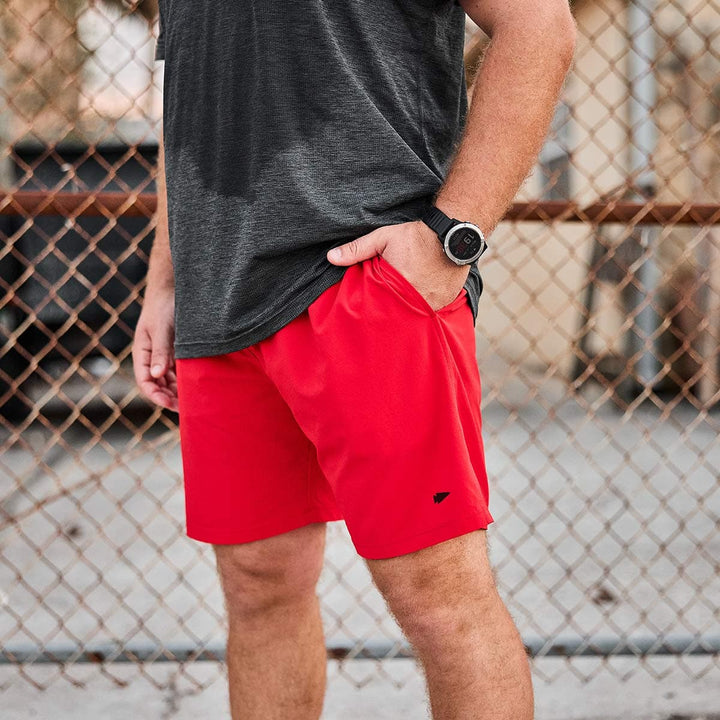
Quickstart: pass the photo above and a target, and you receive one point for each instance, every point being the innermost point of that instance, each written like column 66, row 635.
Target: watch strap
column 438, row 220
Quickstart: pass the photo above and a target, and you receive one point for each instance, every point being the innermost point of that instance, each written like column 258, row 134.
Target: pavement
column 165, row 692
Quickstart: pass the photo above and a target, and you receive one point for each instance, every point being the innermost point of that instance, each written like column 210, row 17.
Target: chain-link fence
column 598, row 345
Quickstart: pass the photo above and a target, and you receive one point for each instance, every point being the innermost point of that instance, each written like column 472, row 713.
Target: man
column 310, row 314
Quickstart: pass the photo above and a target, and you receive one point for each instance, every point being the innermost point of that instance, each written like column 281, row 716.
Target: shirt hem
column 268, row 327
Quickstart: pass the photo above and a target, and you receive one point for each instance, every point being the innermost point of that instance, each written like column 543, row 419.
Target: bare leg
column 445, row 599
column 276, row 656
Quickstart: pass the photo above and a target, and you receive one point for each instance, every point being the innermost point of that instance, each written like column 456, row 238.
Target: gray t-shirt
column 289, row 128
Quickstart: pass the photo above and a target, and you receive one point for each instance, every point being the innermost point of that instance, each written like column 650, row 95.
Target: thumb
column 159, row 361
column 362, row 248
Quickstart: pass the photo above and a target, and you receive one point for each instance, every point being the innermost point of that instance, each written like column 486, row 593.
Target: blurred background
column 598, row 344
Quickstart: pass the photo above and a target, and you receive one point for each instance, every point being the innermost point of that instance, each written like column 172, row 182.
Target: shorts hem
column 459, row 526
column 244, row 534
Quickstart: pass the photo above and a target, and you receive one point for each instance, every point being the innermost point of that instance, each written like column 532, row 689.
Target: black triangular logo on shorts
column 439, row 497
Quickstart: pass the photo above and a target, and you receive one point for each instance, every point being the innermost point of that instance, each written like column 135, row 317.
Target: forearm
column 513, row 99
column 160, row 275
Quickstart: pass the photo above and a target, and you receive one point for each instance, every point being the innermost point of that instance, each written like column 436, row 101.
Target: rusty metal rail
column 114, row 204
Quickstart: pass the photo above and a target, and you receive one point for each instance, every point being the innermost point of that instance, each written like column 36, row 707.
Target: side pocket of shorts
column 401, row 286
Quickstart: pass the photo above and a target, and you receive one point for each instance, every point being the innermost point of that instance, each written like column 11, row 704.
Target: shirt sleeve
column 160, row 42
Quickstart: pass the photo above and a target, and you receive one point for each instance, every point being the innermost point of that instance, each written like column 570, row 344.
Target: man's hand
column 153, row 355
column 415, row 251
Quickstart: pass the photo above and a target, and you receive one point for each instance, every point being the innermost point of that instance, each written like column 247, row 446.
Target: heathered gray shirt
column 289, row 128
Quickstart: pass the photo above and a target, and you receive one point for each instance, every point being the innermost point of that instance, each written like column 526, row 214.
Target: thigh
column 249, row 471
column 388, row 391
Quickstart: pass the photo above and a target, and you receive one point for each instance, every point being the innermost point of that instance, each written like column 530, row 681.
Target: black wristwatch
column 463, row 242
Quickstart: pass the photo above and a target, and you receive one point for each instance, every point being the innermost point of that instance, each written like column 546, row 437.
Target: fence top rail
column 113, row 204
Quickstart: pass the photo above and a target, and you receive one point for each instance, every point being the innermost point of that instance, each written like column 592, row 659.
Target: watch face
column 465, row 242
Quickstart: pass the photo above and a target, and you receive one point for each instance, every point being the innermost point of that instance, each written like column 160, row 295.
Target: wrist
column 462, row 210
column 462, row 241
column 430, row 242
column 160, row 284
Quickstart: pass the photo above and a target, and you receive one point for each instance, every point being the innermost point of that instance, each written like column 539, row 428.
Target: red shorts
column 366, row 407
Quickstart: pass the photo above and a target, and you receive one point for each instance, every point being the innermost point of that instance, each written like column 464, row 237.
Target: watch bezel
column 460, row 226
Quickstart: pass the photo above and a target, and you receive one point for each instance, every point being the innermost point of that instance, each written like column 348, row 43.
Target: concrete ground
column 605, row 527
column 165, row 693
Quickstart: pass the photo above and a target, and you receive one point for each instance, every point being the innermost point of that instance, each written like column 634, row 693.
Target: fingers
column 159, row 386
column 362, row 248
column 141, row 352
column 164, row 391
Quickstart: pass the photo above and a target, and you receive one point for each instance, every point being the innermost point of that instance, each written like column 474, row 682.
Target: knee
column 431, row 620
column 438, row 596
column 256, row 579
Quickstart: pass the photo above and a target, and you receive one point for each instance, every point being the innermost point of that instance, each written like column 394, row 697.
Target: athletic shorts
column 366, row 407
